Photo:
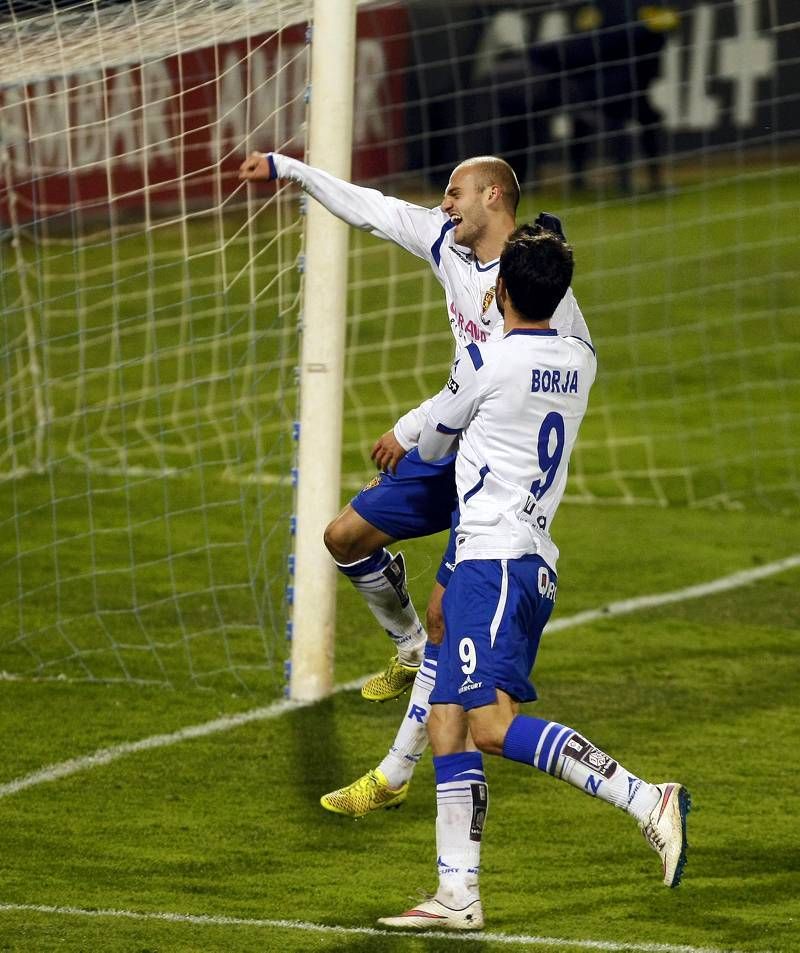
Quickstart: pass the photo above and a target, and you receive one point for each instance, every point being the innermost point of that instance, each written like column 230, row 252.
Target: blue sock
column 536, row 742
column 466, row 766
column 381, row 580
column 462, row 799
column 375, row 563
column 559, row 750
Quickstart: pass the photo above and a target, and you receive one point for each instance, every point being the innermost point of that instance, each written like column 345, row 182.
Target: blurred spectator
column 602, row 71
column 599, row 74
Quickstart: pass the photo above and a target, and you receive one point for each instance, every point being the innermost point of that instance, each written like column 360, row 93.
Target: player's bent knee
column 349, row 538
column 342, row 543
column 334, row 542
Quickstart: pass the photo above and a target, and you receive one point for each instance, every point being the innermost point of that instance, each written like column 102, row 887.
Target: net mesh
column 669, row 148
column 149, row 341
column 151, row 303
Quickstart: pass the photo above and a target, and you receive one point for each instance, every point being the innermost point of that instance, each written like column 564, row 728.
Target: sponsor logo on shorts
column 579, row 749
column 547, row 587
column 469, row 686
column 452, row 385
column 375, row 481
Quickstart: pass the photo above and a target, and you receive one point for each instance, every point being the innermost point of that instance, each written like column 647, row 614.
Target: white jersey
column 515, row 406
column 469, row 285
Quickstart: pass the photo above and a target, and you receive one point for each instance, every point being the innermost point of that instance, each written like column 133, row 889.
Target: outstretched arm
column 411, row 226
column 568, row 319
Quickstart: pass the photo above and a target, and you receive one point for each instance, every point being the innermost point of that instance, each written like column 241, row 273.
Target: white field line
column 306, row 927
column 103, row 756
column 723, row 584
column 106, row 755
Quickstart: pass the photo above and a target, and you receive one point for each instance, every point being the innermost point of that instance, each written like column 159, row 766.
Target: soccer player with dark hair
column 461, row 239
column 513, row 406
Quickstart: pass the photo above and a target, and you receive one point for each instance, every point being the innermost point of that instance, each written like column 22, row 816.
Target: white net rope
column 90, row 35
column 685, row 265
column 148, row 349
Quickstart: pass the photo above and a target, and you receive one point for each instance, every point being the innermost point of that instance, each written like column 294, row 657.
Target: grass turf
column 124, row 573
column 229, row 826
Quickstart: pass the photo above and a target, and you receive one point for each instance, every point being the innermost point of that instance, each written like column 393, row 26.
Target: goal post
column 324, row 324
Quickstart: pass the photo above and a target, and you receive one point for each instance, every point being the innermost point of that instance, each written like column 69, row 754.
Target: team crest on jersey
column 488, row 298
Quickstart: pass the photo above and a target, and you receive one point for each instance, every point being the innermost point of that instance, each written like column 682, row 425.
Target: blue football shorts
column 417, row 500
column 448, row 564
column 494, row 614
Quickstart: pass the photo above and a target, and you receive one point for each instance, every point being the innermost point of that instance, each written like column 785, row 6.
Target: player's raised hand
column 258, row 167
column 552, row 223
column 387, row 452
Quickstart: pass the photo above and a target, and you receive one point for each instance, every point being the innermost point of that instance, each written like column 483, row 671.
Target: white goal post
column 322, row 354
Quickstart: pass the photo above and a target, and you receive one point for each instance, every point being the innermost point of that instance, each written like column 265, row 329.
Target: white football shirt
column 469, row 285
column 515, row 406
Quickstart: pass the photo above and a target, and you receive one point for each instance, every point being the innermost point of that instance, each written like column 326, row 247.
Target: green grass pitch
column 228, row 827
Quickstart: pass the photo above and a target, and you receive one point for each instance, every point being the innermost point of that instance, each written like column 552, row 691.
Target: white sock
column 412, row 736
column 381, row 580
column 462, row 800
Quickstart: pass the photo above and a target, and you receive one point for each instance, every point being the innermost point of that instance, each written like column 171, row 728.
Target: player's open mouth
column 455, row 219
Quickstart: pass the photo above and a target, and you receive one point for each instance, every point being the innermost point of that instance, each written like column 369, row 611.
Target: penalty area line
column 104, row 756
column 723, row 584
column 303, row 926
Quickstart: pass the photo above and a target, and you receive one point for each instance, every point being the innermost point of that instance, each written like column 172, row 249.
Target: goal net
column 670, row 149
column 149, row 338
column 151, row 304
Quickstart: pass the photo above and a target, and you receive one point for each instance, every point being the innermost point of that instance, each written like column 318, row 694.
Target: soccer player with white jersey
column 461, row 240
column 514, row 405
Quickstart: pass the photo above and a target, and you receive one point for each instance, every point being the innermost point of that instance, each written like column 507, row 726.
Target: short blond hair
column 491, row 170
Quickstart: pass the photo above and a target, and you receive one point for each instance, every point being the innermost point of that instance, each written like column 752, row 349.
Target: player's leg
column 387, row 785
column 556, row 749
column 359, row 549
column 414, row 501
column 462, row 797
column 462, row 800
column 553, row 748
column 412, row 735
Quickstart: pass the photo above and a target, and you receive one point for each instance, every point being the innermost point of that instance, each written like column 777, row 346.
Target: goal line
column 509, row 939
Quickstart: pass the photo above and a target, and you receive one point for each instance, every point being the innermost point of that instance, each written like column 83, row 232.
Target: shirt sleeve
column 453, row 407
column 413, row 227
column 409, row 426
column 568, row 319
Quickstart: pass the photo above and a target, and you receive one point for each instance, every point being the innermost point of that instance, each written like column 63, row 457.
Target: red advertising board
column 136, row 138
